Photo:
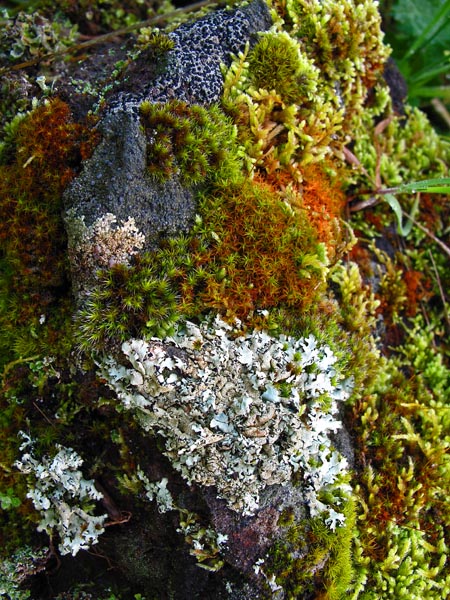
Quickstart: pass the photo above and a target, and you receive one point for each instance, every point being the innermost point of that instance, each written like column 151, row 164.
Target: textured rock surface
column 214, row 452
column 192, row 72
column 114, row 181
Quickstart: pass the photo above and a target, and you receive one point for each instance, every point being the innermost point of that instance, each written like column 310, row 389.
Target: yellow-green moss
column 311, row 558
column 189, row 141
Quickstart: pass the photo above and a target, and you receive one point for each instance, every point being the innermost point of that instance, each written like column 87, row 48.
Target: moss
column 402, row 148
column 296, row 95
column 259, row 252
column 313, row 559
column 346, row 43
column 191, row 142
column 400, row 420
column 286, row 518
column 268, row 169
column 277, row 63
column 157, row 41
column 402, row 430
column 277, row 134
column 44, row 152
column 210, row 269
column 126, row 301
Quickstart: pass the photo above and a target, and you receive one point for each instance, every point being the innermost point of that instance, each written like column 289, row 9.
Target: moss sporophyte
column 290, row 338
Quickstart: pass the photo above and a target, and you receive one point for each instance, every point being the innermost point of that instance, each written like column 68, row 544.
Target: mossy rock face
column 129, row 177
column 164, row 224
column 115, row 180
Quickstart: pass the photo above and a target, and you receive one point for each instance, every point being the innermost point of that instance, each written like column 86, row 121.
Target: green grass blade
column 437, row 23
column 432, row 91
column 403, row 229
column 438, row 68
column 441, row 185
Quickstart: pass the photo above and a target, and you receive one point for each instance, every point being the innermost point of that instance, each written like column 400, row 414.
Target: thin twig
column 49, row 421
column 372, row 201
column 441, row 110
column 441, row 290
column 112, row 34
column 441, row 244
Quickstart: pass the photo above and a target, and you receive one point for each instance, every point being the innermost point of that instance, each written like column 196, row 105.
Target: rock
column 115, row 179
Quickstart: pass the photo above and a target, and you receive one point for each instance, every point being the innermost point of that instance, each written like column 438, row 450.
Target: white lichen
column 158, row 491
column 238, row 412
column 63, row 497
column 103, row 244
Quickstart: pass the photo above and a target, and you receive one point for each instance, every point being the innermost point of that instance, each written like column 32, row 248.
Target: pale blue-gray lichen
column 63, row 497
column 238, row 412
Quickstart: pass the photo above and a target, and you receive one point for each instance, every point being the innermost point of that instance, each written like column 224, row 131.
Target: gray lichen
column 238, row 412
column 64, row 498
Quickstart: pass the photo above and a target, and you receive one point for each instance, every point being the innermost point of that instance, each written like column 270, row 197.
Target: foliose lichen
column 233, row 409
column 63, row 497
column 229, row 404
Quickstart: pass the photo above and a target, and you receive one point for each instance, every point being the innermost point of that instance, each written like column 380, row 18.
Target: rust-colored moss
column 418, row 289
column 257, row 253
column 44, row 156
column 324, row 201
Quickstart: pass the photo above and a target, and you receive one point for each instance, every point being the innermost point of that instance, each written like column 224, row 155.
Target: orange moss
column 320, row 196
column 362, row 256
column 45, row 155
column 49, row 148
column 418, row 289
column 259, row 255
column 431, row 209
column 276, row 179
column 324, row 200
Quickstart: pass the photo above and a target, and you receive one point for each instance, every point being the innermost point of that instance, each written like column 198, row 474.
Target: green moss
column 137, row 300
column 189, row 141
column 402, row 424
column 312, row 558
column 286, row 518
column 156, row 40
column 277, row 63
column 277, row 134
column 406, row 149
column 296, row 94
column 345, row 41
